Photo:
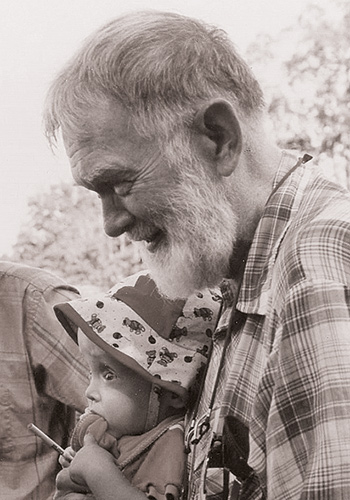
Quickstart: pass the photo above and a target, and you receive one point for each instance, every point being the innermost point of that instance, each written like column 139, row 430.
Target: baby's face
column 115, row 392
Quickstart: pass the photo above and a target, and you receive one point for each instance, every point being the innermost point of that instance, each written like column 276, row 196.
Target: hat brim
column 71, row 321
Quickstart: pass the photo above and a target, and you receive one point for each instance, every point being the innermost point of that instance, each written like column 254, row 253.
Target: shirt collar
column 277, row 216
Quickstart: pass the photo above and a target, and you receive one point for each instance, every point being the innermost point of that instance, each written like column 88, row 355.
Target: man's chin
column 173, row 278
column 177, row 279
column 170, row 288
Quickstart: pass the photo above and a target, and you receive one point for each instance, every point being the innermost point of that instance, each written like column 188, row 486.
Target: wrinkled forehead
column 97, row 123
column 96, row 142
column 107, row 144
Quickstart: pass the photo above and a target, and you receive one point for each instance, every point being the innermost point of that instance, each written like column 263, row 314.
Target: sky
column 38, row 36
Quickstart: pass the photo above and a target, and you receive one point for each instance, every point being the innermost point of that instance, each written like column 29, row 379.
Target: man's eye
column 123, row 189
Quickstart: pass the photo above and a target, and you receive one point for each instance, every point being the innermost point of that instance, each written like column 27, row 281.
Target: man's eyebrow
column 105, row 176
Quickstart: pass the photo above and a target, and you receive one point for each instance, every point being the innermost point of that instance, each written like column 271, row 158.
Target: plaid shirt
column 286, row 372
column 42, row 380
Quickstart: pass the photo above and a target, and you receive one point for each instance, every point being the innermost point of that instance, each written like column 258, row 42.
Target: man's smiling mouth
column 152, row 239
column 155, row 240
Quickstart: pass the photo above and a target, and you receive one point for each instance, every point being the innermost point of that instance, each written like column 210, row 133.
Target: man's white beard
column 201, row 231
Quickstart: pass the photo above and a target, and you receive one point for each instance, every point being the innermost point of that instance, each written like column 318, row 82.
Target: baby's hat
column 148, row 333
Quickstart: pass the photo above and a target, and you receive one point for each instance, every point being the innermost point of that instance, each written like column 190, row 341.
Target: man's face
column 179, row 213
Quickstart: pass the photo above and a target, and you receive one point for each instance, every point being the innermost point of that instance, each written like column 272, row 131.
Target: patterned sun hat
column 141, row 329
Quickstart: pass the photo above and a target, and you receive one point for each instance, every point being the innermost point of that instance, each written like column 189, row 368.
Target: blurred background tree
column 64, row 234
column 305, row 73
column 306, row 78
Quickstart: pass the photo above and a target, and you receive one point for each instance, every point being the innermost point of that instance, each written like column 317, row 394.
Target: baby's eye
column 109, row 376
column 123, row 188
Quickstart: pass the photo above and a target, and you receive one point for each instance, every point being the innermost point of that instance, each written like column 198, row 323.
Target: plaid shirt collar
column 276, row 219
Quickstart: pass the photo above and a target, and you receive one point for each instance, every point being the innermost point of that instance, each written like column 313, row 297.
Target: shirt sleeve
column 61, row 370
column 308, row 428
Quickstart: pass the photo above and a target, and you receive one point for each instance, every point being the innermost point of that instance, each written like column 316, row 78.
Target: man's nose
column 116, row 218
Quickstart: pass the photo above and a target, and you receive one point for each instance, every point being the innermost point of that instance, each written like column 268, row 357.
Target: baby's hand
column 66, row 489
column 90, row 461
column 67, row 457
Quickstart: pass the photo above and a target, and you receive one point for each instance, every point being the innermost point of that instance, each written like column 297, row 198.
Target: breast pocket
column 16, row 409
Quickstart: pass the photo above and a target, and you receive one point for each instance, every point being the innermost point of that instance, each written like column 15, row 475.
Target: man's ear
column 219, row 135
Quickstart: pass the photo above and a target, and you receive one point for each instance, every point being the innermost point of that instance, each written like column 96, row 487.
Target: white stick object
column 46, row 438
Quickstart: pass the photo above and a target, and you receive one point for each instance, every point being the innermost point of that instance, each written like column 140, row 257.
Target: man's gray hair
column 160, row 66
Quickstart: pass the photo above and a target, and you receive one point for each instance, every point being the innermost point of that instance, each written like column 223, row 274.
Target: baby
column 145, row 353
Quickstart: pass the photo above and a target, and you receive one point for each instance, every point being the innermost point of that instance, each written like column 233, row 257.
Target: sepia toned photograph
column 175, row 250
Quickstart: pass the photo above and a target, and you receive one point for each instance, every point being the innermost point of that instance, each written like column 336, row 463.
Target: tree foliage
column 64, row 234
column 307, row 79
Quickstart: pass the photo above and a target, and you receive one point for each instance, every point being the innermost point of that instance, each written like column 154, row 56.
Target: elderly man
column 166, row 123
